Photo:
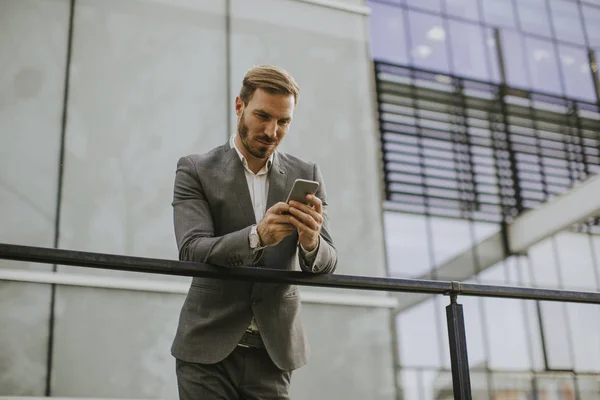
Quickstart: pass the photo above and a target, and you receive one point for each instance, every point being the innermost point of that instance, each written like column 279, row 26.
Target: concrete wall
column 148, row 83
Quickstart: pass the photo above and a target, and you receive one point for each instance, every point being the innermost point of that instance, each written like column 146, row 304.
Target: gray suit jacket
column 213, row 214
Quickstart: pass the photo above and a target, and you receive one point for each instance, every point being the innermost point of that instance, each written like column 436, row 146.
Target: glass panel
column 418, row 340
column 406, row 244
column 512, row 386
column 555, row 326
column 499, row 12
column 411, row 383
column 492, row 54
column 428, row 37
column 429, row 5
column 388, row 41
column 505, row 321
column 543, row 264
column 576, row 261
column 531, row 315
column 588, row 386
column 468, row 9
column 468, row 53
column 556, row 386
column 514, row 62
column 533, row 16
column 543, row 67
column 591, row 15
column 451, row 237
column 475, row 335
column 585, row 327
column 577, row 73
column 566, row 21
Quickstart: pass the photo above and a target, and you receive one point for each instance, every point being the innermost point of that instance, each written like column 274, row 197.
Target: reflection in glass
column 429, row 5
column 506, row 321
column 428, row 41
column 499, row 13
column 489, row 41
column 418, row 340
column 566, row 21
column 556, row 335
column 543, row 66
column 406, row 244
column 473, row 331
column 467, row 9
column 451, row 237
column 515, row 65
column 388, row 42
column 584, row 320
column 591, row 16
column 575, row 259
column 543, row 264
column 533, row 16
column 468, row 52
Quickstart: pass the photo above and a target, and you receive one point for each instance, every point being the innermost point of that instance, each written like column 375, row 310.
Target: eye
column 262, row 116
column 283, row 122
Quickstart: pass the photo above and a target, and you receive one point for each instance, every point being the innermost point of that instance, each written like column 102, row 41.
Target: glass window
column 406, row 244
column 467, row 9
column 576, row 261
column 428, row 42
column 514, row 62
column 451, row 237
column 543, row 66
column 543, row 264
column 468, row 52
column 591, row 16
column 499, row 12
column 533, row 16
column 475, row 335
column 555, row 325
column 418, row 335
column 429, row 5
column 576, row 71
column 492, row 54
column 388, row 42
column 505, row 321
column 584, row 320
column 566, row 21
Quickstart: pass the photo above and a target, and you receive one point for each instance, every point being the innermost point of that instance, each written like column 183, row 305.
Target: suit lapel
column 278, row 182
column 234, row 172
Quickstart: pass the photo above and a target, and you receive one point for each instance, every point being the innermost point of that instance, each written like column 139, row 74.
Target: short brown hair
column 271, row 79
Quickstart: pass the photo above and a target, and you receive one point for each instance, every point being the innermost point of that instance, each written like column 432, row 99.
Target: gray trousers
column 247, row 373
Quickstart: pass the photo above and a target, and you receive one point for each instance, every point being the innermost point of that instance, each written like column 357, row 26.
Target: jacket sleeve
column 326, row 258
column 193, row 223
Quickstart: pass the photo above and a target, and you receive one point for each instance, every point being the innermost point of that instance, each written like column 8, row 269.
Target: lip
column 265, row 143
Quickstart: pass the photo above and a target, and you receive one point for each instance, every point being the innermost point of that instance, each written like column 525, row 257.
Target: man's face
column 263, row 122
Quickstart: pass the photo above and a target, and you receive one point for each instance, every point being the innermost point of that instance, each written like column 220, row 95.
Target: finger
column 278, row 208
column 316, row 202
column 306, row 219
column 308, row 225
column 307, row 210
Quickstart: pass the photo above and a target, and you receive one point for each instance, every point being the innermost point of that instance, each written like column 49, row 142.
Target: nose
column 271, row 129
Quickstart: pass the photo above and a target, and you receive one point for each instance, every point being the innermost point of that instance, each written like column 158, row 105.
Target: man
column 241, row 340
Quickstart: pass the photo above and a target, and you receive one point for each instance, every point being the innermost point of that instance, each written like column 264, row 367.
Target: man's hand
column 308, row 220
column 275, row 226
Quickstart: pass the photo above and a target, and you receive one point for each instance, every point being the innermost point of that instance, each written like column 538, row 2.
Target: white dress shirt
column 258, row 186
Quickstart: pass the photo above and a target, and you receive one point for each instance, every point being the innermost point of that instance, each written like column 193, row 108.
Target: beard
column 260, row 152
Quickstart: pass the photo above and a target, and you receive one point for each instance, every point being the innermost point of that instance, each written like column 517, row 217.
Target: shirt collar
column 266, row 168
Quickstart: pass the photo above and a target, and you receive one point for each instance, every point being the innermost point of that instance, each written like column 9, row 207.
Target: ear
column 239, row 105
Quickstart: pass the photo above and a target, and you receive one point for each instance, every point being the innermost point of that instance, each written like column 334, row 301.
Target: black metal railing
column 454, row 311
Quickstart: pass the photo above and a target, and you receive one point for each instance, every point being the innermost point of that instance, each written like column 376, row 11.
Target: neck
column 255, row 164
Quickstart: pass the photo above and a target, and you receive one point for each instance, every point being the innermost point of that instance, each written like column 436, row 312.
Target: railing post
column 461, row 382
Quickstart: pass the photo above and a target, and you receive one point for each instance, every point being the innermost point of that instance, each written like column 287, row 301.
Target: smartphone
column 301, row 188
